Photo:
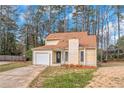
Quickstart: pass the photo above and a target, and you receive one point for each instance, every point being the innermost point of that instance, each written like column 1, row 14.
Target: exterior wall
column 54, row 57
column 48, row 51
column 53, row 42
column 73, row 51
column 91, row 57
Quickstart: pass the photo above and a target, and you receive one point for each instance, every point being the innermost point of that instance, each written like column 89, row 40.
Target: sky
column 23, row 9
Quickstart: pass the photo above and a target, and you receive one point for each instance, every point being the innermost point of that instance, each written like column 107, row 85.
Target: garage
column 42, row 58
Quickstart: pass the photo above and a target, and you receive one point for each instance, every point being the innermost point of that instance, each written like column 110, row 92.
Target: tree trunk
column 118, row 27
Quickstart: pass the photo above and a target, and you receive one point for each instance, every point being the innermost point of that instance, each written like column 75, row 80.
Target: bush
column 29, row 55
column 98, row 57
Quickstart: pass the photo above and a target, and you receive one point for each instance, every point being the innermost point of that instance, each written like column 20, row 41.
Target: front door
column 58, row 57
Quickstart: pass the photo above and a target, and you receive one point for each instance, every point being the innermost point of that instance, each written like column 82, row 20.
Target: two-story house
column 67, row 48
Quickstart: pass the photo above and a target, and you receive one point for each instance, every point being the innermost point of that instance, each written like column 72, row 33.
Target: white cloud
column 21, row 19
column 69, row 16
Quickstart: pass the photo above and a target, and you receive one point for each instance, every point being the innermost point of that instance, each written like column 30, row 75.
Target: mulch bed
column 79, row 66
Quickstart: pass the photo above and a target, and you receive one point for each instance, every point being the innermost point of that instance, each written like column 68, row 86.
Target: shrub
column 98, row 57
column 29, row 55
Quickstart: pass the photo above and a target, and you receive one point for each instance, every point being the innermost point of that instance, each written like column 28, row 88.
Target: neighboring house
column 67, row 48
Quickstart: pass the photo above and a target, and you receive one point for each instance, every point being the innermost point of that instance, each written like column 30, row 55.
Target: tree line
column 38, row 21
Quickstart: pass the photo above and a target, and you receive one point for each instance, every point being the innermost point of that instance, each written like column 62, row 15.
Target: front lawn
column 13, row 65
column 62, row 77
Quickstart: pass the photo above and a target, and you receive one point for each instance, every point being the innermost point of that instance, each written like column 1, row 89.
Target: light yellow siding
column 53, row 42
column 91, row 57
column 54, row 57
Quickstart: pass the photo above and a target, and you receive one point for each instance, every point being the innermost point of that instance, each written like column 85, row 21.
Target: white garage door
column 42, row 59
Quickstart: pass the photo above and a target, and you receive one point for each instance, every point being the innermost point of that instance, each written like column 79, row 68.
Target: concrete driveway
column 20, row 77
column 109, row 76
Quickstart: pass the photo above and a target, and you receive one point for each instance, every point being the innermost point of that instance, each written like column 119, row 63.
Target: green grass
column 61, row 77
column 6, row 67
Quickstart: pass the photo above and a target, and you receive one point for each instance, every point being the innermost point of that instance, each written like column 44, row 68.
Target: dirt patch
column 111, row 75
column 111, row 64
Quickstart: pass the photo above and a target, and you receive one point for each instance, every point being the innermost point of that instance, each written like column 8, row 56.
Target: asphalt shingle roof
column 85, row 40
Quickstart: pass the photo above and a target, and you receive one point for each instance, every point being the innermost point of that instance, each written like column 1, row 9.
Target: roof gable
column 85, row 40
